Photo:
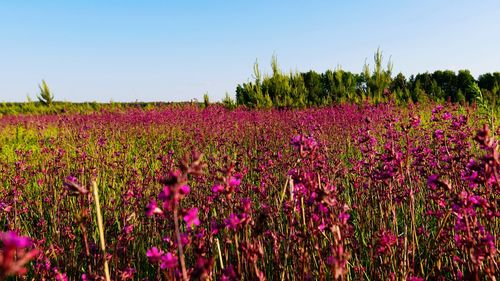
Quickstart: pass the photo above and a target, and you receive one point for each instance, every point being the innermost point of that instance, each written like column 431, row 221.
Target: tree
column 277, row 86
column 465, row 82
column 228, row 101
column 381, row 79
column 45, row 96
column 399, row 83
column 447, row 81
column 206, row 100
column 312, row 81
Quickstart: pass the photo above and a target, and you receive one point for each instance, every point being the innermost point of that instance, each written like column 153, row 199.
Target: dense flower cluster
column 351, row 192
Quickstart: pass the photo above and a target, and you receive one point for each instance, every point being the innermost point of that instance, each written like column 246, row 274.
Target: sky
column 123, row 50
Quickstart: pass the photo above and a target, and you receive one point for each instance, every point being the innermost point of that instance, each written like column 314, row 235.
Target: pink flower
column 234, row 181
column 217, row 188
column 168, row 261
column 184, row 190
column 232, row 222
column 154, row 254
column 439, row 134
column 152, row 208
column 13, row 255
column 446, row 116
column 60, row 276
column 10, row 240
column 191, row 217
column 164, row 194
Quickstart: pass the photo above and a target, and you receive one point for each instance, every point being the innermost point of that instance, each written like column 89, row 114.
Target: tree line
column 374, row 84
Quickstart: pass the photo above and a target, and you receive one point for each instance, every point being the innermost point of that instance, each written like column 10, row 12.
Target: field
column 349, row 192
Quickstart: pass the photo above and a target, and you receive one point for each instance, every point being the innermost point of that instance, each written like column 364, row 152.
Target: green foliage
column 374, row 85
column 206, row 100
column 228, row 101
column 380, row 79
column 314, row 89
column 45, row 96
column 484, row 107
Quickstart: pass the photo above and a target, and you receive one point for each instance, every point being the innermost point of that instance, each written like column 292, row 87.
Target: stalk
column 101, row 230
column 179, row 244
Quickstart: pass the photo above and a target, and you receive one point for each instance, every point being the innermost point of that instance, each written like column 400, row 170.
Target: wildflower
column 191, row 217
column 60, row 276
column 232, row 222
column 214, row 227
column 438, row 134
column 217, row 188
column 344, row 217
column 234, row 181
column 184, row 190
column 74, row 187
column 229, row 274
column 164, row 194
column 152, row 208
column 296, row 141
column 415, row 121
column 13, row 256
column 11, row 241
column 168, row 261
column 154, row 254
column 446, row 116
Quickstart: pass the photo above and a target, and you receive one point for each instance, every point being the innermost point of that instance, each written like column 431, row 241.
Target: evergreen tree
column 45, row 96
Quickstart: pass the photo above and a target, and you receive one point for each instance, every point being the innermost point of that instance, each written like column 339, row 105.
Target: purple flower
column 11, row 240
column 168, row 261
column 184, row 190
column 191, row 217
column 446, row 116
column 232, row 222
column 414, row 121
column 217, row 188
column 152, row 208
column 154, row 254
column 296, row 141
column 60, row 276
column 13, row 255
column 164, row 194
column 344, row 217
column 234, row 181
column 432, row 181
column 439, row 134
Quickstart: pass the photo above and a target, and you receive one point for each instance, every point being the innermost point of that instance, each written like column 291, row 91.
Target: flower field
column 336, row 193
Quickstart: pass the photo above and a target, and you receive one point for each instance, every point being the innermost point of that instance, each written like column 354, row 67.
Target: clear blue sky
column 124, row 50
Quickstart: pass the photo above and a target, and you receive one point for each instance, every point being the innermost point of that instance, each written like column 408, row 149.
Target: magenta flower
column 154, row 254
column 10, row 240
column 168, row 261
column 217, row 188
column 232, row 222
column 152, row 208
column 13, row 255
column 296, row 140
column 234, row 181
column 60, row 276
column 439, row 134
column 184, row 190
column 433, row 181
column 191, row 217
column 164, row 194
column 446, row 116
